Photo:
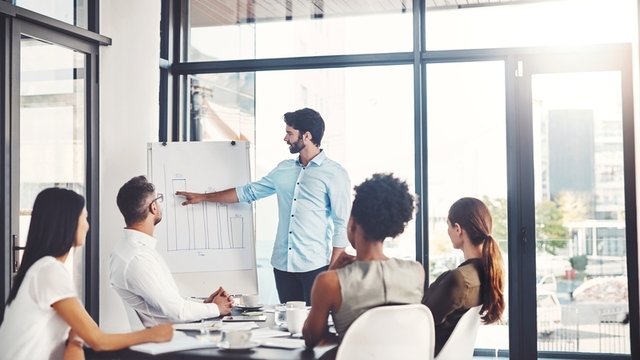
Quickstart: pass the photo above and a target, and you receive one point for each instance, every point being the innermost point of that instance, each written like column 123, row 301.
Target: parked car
column 549, row 312
column 547, row 282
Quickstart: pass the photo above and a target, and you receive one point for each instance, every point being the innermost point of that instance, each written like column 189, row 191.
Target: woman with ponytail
column 477, row 281
column 44, row 318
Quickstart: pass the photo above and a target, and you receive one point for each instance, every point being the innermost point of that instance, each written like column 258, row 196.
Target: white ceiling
column 228, row 12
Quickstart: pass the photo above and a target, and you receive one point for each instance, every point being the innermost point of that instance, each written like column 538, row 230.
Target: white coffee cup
column 295, row 319
column 251, row 300
column 296, row 305
column 235, row 337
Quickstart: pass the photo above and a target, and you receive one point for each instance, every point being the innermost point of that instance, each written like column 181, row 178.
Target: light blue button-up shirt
column 314, row 204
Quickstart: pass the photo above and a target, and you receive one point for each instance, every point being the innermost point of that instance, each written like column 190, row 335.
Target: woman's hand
column 343, row 260
column 75, row 347
column 160, row 333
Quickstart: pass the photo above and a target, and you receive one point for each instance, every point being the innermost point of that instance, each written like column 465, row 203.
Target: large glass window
column 246, row 29
column 467, row 158
column 367, row 128
column 74, row 12
column 529, row 23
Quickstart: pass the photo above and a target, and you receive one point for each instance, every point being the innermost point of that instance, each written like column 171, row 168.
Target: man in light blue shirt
column 313, row 206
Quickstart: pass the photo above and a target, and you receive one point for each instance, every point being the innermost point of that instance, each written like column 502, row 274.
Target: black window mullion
column 631, row 215
column 93, row 14
column 13, row 123
column 5, row 160
column 92, row 150
column 520, row 213
column 179, row 26
column 420, row 135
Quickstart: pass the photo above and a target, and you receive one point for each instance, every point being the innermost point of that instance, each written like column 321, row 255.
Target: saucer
column 250, row 308
column 226, row 346
column 282, row 327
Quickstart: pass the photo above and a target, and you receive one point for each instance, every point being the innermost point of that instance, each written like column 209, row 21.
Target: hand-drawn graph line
column 203, row 226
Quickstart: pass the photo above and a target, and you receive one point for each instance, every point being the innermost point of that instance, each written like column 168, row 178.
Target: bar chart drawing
column 206, row 236
column 203, row 226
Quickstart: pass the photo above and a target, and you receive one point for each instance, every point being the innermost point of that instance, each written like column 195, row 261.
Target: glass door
column 579, row 114
column 52, row 126
column 49, row 131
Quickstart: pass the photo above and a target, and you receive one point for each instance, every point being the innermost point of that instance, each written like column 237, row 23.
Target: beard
column 296, row 147
column 157, row 219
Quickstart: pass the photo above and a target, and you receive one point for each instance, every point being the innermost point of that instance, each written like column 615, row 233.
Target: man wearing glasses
column 140, row 275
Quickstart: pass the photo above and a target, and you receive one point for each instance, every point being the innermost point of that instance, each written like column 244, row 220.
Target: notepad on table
column 210, row 325
column 238, row 325
column 240, row 318
column 179, row 342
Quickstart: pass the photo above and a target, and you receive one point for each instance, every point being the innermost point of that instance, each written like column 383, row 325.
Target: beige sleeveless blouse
column 367, row 284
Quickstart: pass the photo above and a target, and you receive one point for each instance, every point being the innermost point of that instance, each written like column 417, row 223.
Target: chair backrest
column 463, row 338
column 390, row 332
column 134, row 319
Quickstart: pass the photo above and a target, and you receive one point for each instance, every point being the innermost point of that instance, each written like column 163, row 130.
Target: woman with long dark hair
column 43, row 310
column 477, row 281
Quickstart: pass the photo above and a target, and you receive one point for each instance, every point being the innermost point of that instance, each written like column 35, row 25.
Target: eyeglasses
column 159, row 199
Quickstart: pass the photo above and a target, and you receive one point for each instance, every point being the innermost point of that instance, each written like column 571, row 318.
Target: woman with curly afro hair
column 381, row 209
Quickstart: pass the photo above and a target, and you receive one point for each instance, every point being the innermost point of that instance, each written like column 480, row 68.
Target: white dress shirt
column 143, row 280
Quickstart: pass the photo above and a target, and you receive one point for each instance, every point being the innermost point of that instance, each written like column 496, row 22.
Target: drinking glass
column 280, row 315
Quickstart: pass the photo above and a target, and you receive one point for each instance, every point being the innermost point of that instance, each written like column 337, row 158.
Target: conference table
column 259, row 352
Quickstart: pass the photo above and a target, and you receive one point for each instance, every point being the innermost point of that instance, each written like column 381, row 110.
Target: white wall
column 128, row 120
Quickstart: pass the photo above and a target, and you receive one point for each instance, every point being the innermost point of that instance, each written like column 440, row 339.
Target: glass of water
column 204, row 328
column 280, row 315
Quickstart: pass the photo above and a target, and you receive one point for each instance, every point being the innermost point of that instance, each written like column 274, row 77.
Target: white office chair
column 462, row 341
column 390, row 332
column 134, row 319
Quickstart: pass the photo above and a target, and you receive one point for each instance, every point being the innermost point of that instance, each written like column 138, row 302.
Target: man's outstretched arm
column 224, row 196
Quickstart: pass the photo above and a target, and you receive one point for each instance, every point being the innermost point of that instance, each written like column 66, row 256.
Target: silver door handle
column 16, row 248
